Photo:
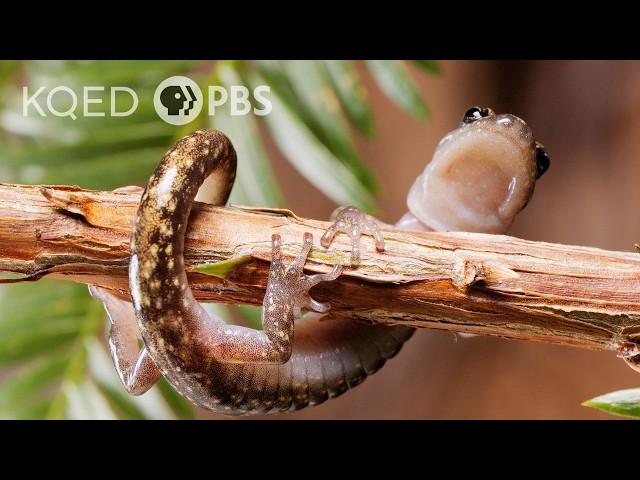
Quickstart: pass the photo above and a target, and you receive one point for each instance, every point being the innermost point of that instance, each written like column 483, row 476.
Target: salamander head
column 481, row 175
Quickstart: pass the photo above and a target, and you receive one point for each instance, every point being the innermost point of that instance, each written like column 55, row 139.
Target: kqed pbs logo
column 178, row 100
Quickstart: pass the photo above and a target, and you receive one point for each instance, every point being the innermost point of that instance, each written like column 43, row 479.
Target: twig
column 463, row 282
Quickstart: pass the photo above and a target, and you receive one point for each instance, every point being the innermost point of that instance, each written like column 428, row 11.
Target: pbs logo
column 178, row 100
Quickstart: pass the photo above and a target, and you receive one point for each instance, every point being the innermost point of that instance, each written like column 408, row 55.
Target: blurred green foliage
column 625, row 403
column 53, row 359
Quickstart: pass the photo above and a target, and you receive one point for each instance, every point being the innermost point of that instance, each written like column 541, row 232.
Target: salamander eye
column 476, row 113
column 542, row 160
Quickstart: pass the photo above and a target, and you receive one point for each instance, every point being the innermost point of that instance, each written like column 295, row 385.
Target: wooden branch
column 463, row 282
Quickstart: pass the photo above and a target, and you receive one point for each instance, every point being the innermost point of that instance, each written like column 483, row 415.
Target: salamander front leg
column 354, row 222
column 136, row 369
column 305, row 300
column 288, row 293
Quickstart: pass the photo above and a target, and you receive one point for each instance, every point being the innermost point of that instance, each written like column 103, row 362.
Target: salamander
column 481, row 175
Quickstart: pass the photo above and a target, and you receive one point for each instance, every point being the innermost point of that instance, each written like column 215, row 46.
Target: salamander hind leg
column 354, row 222
column 135, row 367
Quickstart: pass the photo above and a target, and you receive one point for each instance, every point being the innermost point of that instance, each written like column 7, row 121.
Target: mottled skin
column 226, row 368
column 194, row 350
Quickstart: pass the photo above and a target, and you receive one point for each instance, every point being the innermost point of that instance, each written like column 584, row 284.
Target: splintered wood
column 462, row 282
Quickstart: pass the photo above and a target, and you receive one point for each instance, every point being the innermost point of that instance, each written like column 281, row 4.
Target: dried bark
column 462, row 282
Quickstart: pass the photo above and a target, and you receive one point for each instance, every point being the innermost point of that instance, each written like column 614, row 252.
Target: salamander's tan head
column 481, row 175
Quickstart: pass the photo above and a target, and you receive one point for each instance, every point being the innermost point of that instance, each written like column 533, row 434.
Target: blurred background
column 375, row 126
